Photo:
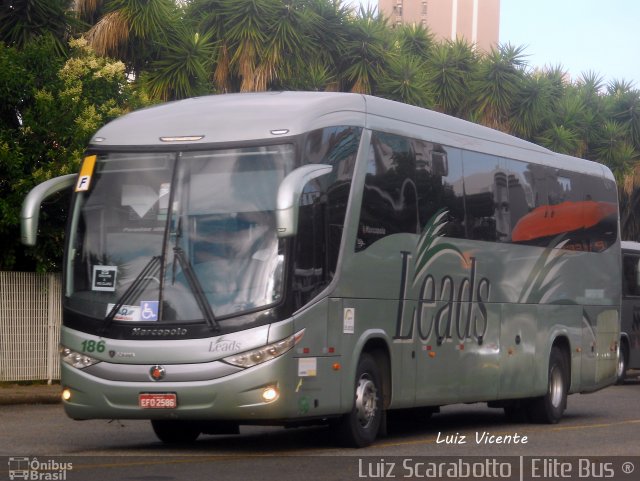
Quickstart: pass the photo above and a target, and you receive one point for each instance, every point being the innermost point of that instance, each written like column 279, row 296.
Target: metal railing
column 30, row 314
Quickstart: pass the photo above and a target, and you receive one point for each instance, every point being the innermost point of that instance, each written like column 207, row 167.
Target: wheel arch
column 562, row 342
column 376, row 343
column 378, row 348
column 624, row 338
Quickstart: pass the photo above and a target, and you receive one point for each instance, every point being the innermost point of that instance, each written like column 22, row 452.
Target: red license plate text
column 157, row 401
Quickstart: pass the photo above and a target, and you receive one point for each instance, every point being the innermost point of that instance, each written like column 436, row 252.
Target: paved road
column 602, row 424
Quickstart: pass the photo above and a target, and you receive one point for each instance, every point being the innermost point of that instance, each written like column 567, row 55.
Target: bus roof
column 267, row 115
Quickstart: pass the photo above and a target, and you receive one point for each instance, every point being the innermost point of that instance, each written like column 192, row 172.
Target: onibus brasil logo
column 23, row 467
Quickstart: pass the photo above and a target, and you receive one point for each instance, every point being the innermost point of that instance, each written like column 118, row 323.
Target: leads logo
column 223, row 345
column 445, row 307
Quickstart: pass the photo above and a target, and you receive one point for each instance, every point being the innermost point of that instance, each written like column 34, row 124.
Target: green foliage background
column 67, row 67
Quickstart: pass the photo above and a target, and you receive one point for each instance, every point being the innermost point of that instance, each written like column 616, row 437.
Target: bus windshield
column 178, row 237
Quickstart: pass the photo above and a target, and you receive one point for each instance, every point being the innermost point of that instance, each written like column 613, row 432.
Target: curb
column 34, row 394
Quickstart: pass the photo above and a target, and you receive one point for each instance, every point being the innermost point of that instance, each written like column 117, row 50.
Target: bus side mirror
column 288, row 202
column 31, row 205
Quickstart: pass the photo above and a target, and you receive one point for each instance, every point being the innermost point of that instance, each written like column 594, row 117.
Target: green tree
column 56, row 120
column 415, row 41
column 450, row 69
column 182, row 69
column 405, row 80
column 529, row 108
column 496, row 85
column 263, row 43
column 625, row 108
column 131, row 30
column 22, row 21
column 366, row 52
column 560, row 139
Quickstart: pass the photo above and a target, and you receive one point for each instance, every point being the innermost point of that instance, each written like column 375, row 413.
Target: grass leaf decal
column 428, row 249
column 538, row 283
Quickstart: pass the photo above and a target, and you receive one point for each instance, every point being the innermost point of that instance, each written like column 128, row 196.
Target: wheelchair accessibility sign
column 146, row 311
column 149, row 311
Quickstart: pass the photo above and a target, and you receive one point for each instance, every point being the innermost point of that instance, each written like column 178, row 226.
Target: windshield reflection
column 214, row 210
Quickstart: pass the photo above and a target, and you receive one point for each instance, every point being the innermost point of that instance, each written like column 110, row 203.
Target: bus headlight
column 265, row 353
column 76, row 359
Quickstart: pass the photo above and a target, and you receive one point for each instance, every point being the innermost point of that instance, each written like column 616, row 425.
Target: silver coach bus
column 295, row 258
column 630, row 322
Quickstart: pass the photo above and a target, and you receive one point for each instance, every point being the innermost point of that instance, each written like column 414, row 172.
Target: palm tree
column 259, row 42
column 531, row 106
column 571, row 114
column 625, row 108
column 629, row 200
column 366, row 52
column 207, row 17
column 449, row 69
column 331, row 32
column 290, row 42
column 406, row 81
column 89, row 11
column 612, row 148
column 183, row 68
column 560, row 139
column 414, row 40
column 497, row 84
column 133, row 30
column 24, row 20
column 246, row 24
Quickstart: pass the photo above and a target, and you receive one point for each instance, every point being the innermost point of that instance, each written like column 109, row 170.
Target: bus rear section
column 629, row 357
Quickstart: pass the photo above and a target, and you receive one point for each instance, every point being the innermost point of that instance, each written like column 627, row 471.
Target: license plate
column 157, row 401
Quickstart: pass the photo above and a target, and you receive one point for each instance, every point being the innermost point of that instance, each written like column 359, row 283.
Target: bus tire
column 171, row 431
column 516, row 411
column 623, row 362
column 359, row 428
column 549, row 408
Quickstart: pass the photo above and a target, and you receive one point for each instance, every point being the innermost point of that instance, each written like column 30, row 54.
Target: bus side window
column 439, row 180
column 630, row 278
column 323, row 206
column 390, row 197
column 310, row 268
column 486, row 197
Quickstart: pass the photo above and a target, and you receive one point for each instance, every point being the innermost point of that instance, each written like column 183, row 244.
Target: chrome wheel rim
column 556, row 387
column 620, row 364
column 366, row 401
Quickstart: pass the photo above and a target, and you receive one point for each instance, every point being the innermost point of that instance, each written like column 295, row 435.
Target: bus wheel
column 623, row 360
column 549, row 408
column 171, row 431
column 516, row 411
column 360, row 427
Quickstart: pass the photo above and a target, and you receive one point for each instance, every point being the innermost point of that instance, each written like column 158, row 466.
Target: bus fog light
column 270, row 394
column 66, row 394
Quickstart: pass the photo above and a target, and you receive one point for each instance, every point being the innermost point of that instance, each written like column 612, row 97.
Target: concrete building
column 477, row 21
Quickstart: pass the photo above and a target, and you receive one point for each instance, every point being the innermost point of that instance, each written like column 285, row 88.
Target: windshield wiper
column 135, row 288
column 196, row 288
